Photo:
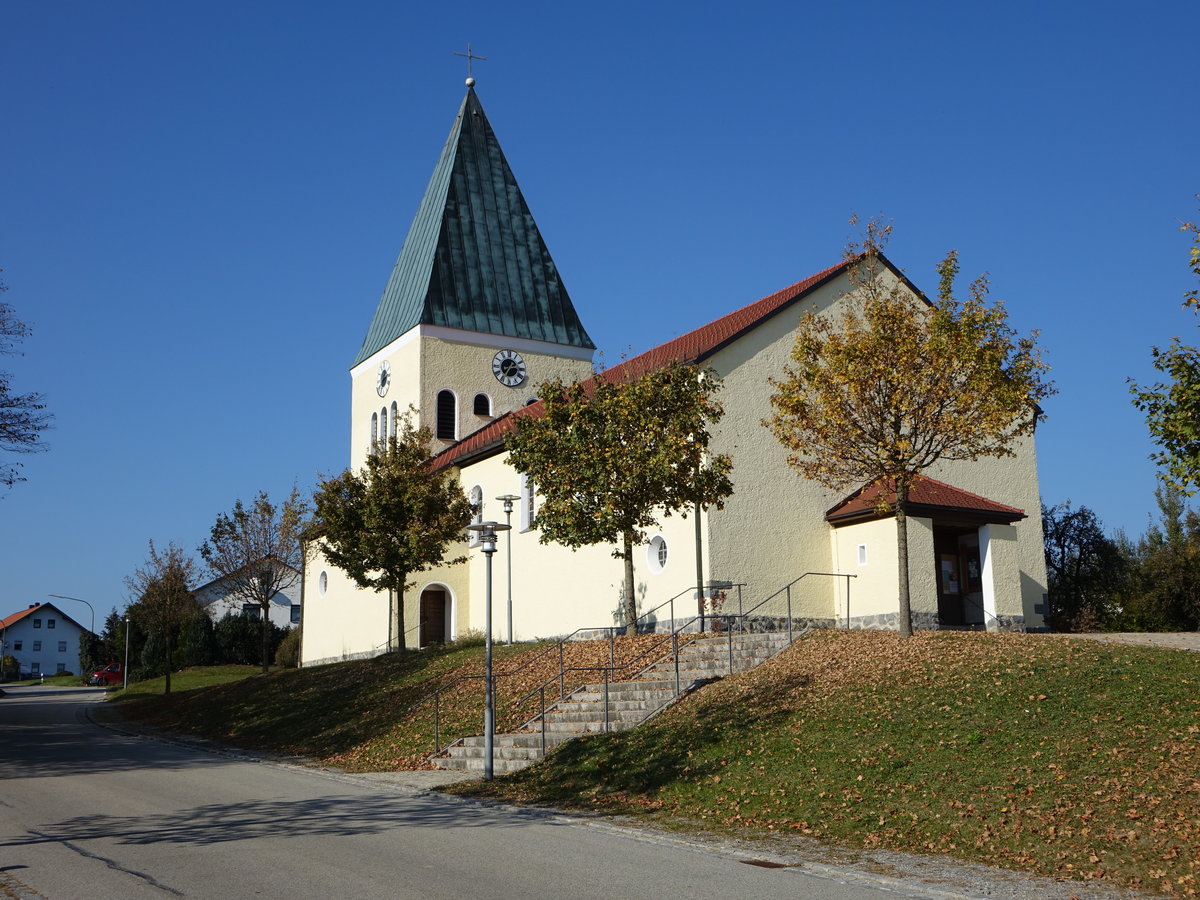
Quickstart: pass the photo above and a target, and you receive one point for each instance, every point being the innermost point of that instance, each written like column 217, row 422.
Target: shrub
column 288, row 652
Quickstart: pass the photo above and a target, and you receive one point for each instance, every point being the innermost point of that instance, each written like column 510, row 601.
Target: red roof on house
column 693, row 347
column 927, row 495
column 37, row 607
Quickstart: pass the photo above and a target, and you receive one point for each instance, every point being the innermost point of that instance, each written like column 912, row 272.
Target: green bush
column 288, row 652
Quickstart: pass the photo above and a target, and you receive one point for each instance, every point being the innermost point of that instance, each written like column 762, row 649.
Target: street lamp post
column 125, row 668
column 89, row 606
column 77, row 600
column 509, row 499
column 487, row 539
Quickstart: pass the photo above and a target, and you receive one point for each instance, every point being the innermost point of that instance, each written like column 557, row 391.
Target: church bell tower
column 475, row 314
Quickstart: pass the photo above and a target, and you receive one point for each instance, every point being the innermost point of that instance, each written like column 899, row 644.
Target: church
column 475, row 315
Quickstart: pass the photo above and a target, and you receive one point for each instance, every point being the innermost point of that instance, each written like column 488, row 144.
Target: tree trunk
column 167, row 644
column 398, row 615
column 905, row 611
column 699, row 567
column 630, row 597
column 266, row 635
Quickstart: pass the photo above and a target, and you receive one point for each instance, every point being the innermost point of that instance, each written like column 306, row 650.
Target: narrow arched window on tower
column 447, row 415
column 374, row 429
column 395, row 420
column 383, row 423
column 483, row 405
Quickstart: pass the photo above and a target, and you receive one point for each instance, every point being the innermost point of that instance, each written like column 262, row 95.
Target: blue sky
column 201, row 203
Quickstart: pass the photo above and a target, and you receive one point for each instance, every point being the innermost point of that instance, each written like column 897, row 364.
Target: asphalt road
column 89, row 813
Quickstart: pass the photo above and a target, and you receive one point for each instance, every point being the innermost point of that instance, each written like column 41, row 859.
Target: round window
column 323, row 583
column 656, row 554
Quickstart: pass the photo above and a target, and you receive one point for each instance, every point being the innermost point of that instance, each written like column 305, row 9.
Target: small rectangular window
column 252, row 609
column 62, row 667
column 35, row 668
column 62, row 646
column 295, row 613
column 17, row 645
column 49, row 623
column 528, row 502
column 37, row 645
column 862, row 554
column 37, row 623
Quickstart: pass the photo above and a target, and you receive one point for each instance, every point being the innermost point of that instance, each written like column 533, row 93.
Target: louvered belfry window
column 447, row 415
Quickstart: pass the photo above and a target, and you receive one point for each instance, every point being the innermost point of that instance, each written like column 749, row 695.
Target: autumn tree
column 256, row 552
column 393, row 518
column 22, row 416
column 609, row 456
column 162, row 598
column 1172, row 407
column 890, row 384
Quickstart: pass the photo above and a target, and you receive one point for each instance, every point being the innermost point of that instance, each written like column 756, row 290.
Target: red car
column 110, row 674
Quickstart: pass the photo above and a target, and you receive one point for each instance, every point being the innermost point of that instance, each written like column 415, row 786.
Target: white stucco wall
column 343, row 621
column 555, row 589
column 873, row 591
column 772, row 529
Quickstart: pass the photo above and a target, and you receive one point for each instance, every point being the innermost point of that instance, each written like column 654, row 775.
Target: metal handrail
column 609, row 671
column 787, row 590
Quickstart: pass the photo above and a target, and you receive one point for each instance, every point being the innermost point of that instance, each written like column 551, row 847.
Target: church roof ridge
column 695, row 346
column 474, row 258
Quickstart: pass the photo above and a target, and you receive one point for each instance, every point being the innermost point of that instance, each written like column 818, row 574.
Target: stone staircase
column 629, row 702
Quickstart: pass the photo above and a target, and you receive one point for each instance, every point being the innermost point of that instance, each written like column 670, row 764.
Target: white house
column 217, row 599
column 43, row 639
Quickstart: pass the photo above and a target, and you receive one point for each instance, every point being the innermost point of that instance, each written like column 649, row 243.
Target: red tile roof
column 927, row 495
column 18, row 616
column 693, row 347
column 37, row 607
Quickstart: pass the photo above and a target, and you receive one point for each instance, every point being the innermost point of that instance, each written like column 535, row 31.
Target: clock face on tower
column 508, row 367
column 384, row 379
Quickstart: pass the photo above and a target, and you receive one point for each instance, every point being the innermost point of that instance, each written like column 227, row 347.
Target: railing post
column 611, row 640
column 542, row 691
column 729, row 629
column 560, row 669
column 675, row 653
column 789, row 606
column 847, row 577
column 437, row 723
column 739, row 587
column 607, row 672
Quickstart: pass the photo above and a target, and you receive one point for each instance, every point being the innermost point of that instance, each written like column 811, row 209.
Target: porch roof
column 928, row 498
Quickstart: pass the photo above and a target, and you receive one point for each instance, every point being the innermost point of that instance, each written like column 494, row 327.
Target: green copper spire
column 474, row 258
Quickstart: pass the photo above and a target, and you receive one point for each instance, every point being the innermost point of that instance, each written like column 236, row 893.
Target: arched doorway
column 433, row 616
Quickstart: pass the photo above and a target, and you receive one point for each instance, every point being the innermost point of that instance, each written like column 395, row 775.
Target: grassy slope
column 1053, row 755
column 356, row 715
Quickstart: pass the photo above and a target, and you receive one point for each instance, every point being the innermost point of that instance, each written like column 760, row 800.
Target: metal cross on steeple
column 471, row 57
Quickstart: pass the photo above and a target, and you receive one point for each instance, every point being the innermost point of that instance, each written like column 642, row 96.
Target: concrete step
column 629, row 702
column 522, row 740
column 499, row 766
column 597, row 715
column 597, row 704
